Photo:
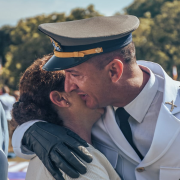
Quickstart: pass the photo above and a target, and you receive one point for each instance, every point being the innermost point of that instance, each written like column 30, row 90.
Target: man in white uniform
column 141, row 130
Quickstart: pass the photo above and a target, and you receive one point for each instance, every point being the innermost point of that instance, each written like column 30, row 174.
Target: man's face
column 91, row 83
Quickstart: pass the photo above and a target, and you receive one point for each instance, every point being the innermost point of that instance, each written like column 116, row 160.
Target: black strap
column 123, row 117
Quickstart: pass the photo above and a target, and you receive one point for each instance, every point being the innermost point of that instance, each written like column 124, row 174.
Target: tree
column 157, row 38
column 140, row 7
column 5, row 41
column 24, row 43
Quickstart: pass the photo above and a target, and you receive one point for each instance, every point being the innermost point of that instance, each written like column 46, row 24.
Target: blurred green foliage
column 158, row 37
column 21, row 45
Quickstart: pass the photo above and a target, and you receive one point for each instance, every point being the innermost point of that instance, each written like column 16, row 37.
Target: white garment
column 144, row 111
column 98, row 169
column 7, row 103
column 4, row 142
column 162, row 161
column 143, row 131
column 17, row 138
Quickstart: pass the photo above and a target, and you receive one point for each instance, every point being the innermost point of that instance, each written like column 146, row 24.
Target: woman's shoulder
column 101, row 165
column 37, row 170
column 98, row 169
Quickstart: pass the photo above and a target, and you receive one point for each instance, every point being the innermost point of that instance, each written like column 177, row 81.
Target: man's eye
column 75, row 75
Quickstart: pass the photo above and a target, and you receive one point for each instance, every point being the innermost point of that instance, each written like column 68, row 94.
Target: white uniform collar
column 140, row 105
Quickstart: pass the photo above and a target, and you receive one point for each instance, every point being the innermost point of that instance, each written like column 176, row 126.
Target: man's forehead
column 79, row 68
column 73, row 69
column 70, row 70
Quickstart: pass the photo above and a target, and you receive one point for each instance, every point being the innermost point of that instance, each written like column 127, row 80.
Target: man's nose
column 69, row 85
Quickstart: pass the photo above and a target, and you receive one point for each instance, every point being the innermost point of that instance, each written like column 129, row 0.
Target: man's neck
column 134, row 83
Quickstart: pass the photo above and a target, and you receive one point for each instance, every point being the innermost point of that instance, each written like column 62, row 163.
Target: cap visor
column 56, row 63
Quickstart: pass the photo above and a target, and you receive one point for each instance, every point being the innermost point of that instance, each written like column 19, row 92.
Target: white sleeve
column 18, row 134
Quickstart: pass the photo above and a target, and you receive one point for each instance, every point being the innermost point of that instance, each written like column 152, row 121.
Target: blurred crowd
column 7, row 99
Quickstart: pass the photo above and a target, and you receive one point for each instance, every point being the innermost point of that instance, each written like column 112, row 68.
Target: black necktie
column 123, row 117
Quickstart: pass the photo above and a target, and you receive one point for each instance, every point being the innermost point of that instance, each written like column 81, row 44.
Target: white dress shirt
column 144, row 110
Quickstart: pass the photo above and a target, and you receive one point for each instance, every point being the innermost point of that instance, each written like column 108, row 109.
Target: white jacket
column 162, row 160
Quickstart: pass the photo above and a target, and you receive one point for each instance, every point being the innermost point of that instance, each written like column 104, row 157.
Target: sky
column 13, row 10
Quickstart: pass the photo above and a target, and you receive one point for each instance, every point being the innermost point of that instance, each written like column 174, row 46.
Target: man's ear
column 115, row 69
column 58, row 99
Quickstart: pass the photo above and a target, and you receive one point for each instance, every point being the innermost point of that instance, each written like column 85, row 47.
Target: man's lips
column 83, row 96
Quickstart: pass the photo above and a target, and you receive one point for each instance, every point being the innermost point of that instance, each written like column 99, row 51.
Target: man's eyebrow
column 71, row 71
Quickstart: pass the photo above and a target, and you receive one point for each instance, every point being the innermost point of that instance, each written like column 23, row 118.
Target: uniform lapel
column 116, row 135
column 168, row 126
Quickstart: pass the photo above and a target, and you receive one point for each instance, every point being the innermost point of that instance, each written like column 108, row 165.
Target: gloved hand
column 55, row 146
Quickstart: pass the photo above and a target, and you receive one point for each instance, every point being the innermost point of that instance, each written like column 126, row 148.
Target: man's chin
column 91, row 105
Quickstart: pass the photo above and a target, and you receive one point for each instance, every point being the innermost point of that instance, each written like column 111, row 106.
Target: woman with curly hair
column 42, row 97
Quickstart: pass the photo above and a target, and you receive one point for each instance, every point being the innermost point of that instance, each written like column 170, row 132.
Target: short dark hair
column 127, row 54
column 5, row 89
column 35, row 86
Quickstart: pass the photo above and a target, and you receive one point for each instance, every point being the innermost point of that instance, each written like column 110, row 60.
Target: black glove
column 55, row 146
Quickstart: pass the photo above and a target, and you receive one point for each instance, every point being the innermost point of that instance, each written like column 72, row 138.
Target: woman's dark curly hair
column 35, row 86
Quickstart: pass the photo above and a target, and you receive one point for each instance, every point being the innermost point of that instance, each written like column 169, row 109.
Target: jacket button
column 140, row 169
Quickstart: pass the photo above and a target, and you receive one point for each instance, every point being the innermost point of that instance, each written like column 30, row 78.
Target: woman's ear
column 115, row 69
column 58, row 99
